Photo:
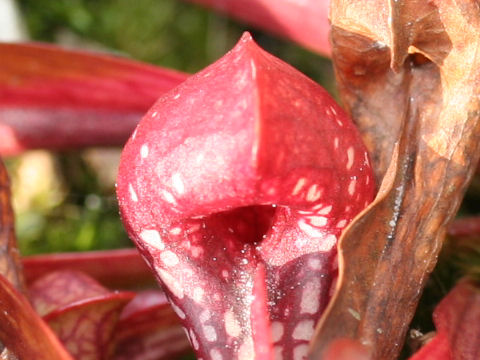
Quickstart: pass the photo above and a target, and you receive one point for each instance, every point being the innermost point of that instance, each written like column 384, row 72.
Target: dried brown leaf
column 410, row 78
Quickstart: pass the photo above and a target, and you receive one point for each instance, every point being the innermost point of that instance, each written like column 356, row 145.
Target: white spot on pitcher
column 310, row 230
column 144, row 151
column 246, row 350
column 310, row 302
column 196, row 251
column 168, row 197
column 314, row 193
column 178, row 311
column 336, row 143
column 303, row 330
column 328, row 243
column 254, row 69
column 171, row 283
column 152, row 238
column 215, row 354
column 342, row 223
column 205, row 315
column 178, row 183
column 169, row 258
column 193, row 340
column 194, row 227
column 351, row 187
column 133, row 194
column 232, row 326
column 277, row 331
column 198, row 294
column 278, row 352
column 315, row 264
column 318, row 221
column 300, row 352
column 199, row 159
column 298, row 186
column 210, row 333
column 350, row 157
column 325, row 210
column 175, row 231
column 188, row 272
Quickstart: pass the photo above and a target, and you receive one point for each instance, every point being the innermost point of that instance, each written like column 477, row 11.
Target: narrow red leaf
column 56, row 98
column 23, row 331
column 303, row 21
column 82, row 313
column 457, row 319
column 149, row 328
column 248, row 165
column 115, row 269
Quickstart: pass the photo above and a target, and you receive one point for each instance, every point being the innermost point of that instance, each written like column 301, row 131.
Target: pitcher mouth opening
column 249, row 224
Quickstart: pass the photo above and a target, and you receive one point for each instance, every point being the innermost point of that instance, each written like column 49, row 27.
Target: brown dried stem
column 10, row 266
